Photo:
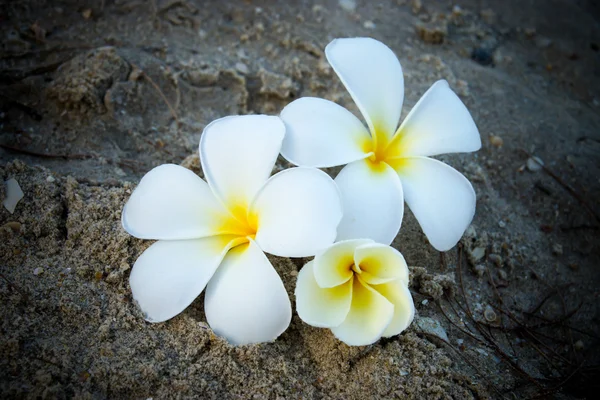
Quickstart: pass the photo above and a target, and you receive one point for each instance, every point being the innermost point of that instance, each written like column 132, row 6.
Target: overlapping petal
column 334, row 265
column 369, row 316
column 372, row 74
column 380, row 263
column 438, row 124
column 171, row 202
column 170, row 274
column 238, row 154
column 321, row 307
column 297, row 212
column 320, row 133
column 245, row 300
column 373, row 202
column 442, row 199
column 397, row 293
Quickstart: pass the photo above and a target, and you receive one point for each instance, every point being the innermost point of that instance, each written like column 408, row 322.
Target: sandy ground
column 94, row 94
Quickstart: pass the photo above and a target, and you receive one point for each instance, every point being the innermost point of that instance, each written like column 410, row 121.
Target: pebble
column 242, row 68
column 578, row 345
column 490, row 314
column 534, row 164
column 432, row 34
column 348, row 5
column 502, row 274
column 425, row 302
column 14, row 194
column 496, row 259
column 14, row 226
column 502, row 224
column 480, row 270
column 482, row 56
column 477, row 253
column 557, row 249
column 50, row 179
column 432, row 327
column 38, row 271
column 496, row 141
column 369, row 25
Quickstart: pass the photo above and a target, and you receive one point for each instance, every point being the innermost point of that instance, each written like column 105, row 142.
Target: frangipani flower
column 357, row 288
column 213, row 235
column 386, row 165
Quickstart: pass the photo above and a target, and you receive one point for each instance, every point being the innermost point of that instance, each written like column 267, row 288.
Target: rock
column 489, row 314
column 496, row 141
column 431, row 326
column 534, row 164
column 348, row 5
column 50, row 179
column 13, row 194
column 479, row 270
column 277, row 85
column 242, row 68
column 482, row 56
column 557, row 249
column 496, row 259
column 416, row 6
column 369, row 25
column 38, row 271
column 476, row 254
column 433, row 33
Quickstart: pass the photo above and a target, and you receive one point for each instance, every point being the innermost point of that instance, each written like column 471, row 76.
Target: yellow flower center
column 242, row 224
column 383, row 151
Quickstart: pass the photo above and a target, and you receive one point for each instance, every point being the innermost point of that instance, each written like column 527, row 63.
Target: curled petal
column 324, row 308
column 369, row 316
column 398, row 294
column 320, row 133
column 438, row 124
column 442, row 200
column 380, row 263
column 171, row 203
column 238, row 154
column 297, row 212
column 373, row 202
column 170, row 274
column 245, row 300
column 333, row 266
column 372, row 74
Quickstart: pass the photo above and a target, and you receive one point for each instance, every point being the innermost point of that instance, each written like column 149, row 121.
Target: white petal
column 171, row 202
column 398, row 294
column 238, row 154
column 372, row 74
column 442, row 200
column 297, row 211
column 245, row 300
column 324, row 308
column 170, row 274
column 380, row 263
column 320, row 133
column 438, row 124
column 333, row 266
column 369, row 316
column 373, row 202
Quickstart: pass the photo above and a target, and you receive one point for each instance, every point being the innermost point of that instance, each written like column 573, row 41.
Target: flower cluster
column 212, row 235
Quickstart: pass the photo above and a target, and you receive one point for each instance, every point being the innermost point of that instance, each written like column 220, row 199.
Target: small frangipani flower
column 386, row 164
column 213, row 235
column 358, row 289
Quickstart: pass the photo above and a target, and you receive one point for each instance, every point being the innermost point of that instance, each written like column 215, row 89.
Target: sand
column 92, row 97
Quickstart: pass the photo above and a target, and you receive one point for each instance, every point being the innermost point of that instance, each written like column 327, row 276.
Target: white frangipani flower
column 213, row 235
column 386, row 165
column 358, row 289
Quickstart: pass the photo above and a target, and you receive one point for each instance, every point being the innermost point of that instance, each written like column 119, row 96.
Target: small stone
column 369, row 25
column 12, row 225
column 496, row 259
column 578, row 345
column 50, row 179
column 482, row 56
column 496, row 141
column 403, row 372
column 432, row 327
column 347, row 5
column 557, row 249
column 490, row 314
column 14, row 194
column 242, row 68
column 534, row 164
column 502, row 224
column 87, row 13
column 530, row 32
column 502, row 274
column 477, row 253
column 457, row 11
column 431, row 33
column 480, row 270
column 425, row 302
column 38, row 271
column 416, row 6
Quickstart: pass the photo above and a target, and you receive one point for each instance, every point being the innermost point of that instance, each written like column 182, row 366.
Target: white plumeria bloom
column 386, row 165
column 213, row 235
column 358, row 289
